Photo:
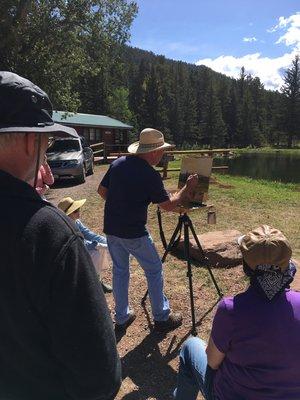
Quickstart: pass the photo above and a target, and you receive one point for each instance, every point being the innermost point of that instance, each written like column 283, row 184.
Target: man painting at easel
column 128, row 187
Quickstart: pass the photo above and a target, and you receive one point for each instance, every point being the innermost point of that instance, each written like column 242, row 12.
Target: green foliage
column 76, row 51
column 118, row 105
column 215, row 128
column 291, row 102
column 196, row 107
column 56, row 43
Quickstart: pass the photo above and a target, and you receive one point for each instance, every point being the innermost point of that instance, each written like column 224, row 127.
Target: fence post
column 104, row 153
column 165, row 170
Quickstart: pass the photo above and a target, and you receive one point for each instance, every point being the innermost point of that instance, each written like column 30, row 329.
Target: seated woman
column 95, row 244
column 253, row 351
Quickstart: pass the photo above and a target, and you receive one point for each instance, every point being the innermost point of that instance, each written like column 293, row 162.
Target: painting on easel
column 201, row 166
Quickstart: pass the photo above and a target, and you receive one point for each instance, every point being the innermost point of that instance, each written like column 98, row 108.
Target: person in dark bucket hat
column 24, row 107
column 56, row 332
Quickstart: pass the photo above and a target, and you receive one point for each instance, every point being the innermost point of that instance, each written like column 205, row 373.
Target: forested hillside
column 195, row 106
column 77, row 52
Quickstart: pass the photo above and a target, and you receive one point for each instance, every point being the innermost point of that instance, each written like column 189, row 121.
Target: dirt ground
column 150, row 360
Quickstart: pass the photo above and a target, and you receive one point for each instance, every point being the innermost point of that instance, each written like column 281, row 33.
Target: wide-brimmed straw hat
column 68, row 205
column 265, row 246
column 150, row 140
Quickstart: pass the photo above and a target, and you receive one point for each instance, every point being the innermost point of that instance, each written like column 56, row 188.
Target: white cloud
column 269, row 70
column 292, row 35
column 249, row 39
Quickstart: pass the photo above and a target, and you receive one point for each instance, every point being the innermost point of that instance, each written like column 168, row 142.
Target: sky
column 261, row 35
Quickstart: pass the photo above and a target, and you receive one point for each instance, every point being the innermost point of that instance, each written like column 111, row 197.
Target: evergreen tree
column 154, row 104
column 137, row 90
column 291, row 91
column 256, row 88
column 191, row 128
column 231, row 114
column 176, row 107
column 215, row 128
column 118, row 105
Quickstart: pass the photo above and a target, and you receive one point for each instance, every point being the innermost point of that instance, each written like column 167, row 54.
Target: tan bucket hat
column 265, row 246
column 150, row 140
column 68, row 205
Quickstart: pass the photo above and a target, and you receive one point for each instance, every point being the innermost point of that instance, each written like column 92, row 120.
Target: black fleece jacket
column 56, row 335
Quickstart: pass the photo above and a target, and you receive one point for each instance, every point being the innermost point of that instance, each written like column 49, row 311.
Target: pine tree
column 155, row 113
column 215, row 128
column 256, row 88
column 137, row 89
column 231, row 114
column 291, row 91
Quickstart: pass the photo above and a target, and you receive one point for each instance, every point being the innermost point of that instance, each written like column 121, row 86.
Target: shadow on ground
column 148, row 369
column 65, row 183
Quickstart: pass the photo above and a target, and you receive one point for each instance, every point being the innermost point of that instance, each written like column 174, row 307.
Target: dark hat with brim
column 24, row 107
column 54, row 129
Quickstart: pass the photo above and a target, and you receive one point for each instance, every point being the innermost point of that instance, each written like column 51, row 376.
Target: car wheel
column 91, row 169
column 82, row 176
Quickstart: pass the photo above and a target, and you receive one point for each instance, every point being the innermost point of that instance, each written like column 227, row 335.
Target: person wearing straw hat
column 254, row 347
column 128, row 187
column 95, row 244
column 57, row 338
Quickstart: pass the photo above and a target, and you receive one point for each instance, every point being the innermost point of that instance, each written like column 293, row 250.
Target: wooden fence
column 98, row 150
column 169, row 156
column 102, row 153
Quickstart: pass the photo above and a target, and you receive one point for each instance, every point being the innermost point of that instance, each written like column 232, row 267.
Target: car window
column 64, row 145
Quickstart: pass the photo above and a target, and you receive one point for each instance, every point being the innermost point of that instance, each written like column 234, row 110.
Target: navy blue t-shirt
column 132, row 185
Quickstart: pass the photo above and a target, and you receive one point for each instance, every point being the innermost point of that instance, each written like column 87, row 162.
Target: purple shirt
column 261, row 340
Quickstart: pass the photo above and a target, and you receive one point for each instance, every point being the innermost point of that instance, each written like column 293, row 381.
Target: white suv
column 70, row 158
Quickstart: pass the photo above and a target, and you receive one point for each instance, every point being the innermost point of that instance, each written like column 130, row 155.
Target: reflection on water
column 271, row 166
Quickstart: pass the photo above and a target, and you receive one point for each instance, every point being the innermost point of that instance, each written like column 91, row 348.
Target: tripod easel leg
column 172, row 240
column 189, row 274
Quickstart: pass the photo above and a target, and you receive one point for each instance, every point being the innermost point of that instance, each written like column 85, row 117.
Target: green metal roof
column 78, row 119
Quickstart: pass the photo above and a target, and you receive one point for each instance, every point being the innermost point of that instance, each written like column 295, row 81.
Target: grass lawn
column 243, row 203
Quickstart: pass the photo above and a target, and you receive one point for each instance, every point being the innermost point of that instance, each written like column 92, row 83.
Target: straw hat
column 68, row 205
column 265, row 246
column 150, row 140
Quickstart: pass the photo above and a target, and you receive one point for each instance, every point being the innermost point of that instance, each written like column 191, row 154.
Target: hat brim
column 55, row 129
column 136, row 148
column 75, row 206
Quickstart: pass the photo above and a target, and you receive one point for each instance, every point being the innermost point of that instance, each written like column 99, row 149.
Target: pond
column 278, row 166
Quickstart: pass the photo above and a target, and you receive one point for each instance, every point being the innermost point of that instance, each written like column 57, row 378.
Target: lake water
column 277, row 166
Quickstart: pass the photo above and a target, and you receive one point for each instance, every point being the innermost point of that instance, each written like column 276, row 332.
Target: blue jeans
column 144, row 251
column 194, row 374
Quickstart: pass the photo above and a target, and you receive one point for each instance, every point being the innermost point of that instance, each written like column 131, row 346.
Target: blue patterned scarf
column 269, row 280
